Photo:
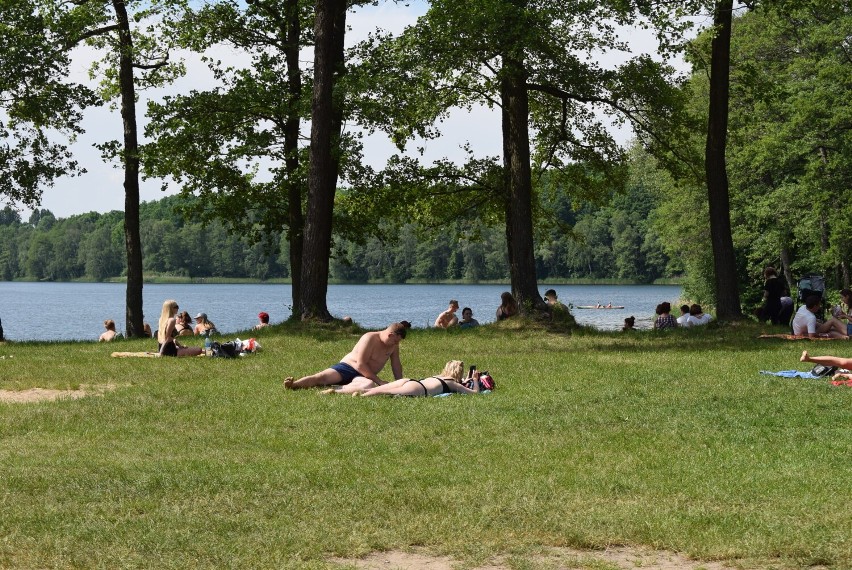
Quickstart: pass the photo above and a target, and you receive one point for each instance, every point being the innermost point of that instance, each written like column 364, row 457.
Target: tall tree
column 215, row 142
column 326, row 125
column 106, row 26
column 538, row 61
column 718, row 197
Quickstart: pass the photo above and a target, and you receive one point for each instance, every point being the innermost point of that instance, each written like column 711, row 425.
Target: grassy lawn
column 673, row 441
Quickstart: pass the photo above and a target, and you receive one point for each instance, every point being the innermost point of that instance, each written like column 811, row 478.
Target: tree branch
column 92, row 33
column 631, row 114
column 157, row 65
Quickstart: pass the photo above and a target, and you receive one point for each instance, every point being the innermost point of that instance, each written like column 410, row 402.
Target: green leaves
column 37, row 103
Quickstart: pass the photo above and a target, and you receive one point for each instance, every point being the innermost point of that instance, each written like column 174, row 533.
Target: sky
column 101, row 188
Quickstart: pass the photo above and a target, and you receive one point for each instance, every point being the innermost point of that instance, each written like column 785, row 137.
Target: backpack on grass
column 486, row 382
column 224, row 349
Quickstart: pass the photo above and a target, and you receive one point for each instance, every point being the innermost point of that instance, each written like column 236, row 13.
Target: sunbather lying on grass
column 447, row 382
column 845, row 363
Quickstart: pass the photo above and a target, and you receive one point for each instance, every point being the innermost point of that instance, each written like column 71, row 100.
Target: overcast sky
column 101, row 189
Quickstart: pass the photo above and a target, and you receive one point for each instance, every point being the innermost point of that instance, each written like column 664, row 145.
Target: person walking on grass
column 361, row 366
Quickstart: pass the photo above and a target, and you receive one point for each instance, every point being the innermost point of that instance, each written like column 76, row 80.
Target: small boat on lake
column 599, row 307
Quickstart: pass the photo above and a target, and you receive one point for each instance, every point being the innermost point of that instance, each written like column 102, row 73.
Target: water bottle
column 207, row 344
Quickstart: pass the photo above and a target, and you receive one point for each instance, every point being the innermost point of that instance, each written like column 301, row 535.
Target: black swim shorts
column 347, row 373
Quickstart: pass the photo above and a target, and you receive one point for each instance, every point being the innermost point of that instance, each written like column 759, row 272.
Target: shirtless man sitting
column 363, row 364
column 448, row 318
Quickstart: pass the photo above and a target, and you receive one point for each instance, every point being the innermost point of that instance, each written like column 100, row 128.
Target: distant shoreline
column 172, row 280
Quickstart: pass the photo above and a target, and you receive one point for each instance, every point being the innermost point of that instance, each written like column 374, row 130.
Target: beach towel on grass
column 800, row 374
column 135, row 354
column 790, row 374
column 458, row 393
column 796, row 337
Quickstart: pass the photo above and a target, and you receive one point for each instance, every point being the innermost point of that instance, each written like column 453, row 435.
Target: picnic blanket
column 795, row 337
column 135, row 354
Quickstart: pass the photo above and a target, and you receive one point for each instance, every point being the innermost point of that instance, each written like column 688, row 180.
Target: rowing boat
column 596, row 307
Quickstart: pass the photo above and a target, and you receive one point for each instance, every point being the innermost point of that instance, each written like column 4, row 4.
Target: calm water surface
column 76, row 311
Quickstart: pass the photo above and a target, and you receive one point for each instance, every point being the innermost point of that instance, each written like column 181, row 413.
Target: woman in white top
column 697, row 317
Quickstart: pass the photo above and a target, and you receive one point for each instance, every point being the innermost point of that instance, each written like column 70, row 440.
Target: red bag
column 486, row 382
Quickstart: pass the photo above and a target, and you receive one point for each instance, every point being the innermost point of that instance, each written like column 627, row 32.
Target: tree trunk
column 324, row 157
column 296, row 219
column 518, row 179
column 785, row 267
column 724, row 261
column 130, row 157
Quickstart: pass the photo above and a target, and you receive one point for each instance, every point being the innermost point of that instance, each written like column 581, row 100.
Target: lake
column 76, row 311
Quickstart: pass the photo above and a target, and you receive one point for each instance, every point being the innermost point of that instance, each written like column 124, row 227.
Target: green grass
column 673, row 441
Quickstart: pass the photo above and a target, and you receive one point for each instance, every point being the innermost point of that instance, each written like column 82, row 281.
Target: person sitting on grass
column 203, row 326
column 263, row 317
column 508, row 306
column 805, row 322
column 447, row 382
column 683, row 319
column 109, row 334
column 697, row 317
column 448, row 318
column 664, row 319
column 361, row 366
column 167, row 331
column 844, row 363
column 467, row 319
column 629, row 324
column 183, row 324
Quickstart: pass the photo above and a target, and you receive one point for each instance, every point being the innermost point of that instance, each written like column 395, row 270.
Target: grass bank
column 668, row 440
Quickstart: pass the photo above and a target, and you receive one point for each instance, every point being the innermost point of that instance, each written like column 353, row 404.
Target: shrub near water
column 673, row 441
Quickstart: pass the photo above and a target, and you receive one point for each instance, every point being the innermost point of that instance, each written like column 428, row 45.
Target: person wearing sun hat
column 204, row 327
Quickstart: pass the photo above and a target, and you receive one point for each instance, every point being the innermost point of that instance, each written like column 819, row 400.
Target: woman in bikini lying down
column 447, row 382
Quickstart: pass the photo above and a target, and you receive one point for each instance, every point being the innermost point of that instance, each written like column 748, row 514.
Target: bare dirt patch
column 621, row 558
column 33, row 395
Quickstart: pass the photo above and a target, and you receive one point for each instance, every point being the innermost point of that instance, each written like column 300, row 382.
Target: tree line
column 607, row 242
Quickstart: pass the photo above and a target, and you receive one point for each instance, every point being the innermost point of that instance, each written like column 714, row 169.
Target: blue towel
column 790, row 374
column 460, row 393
